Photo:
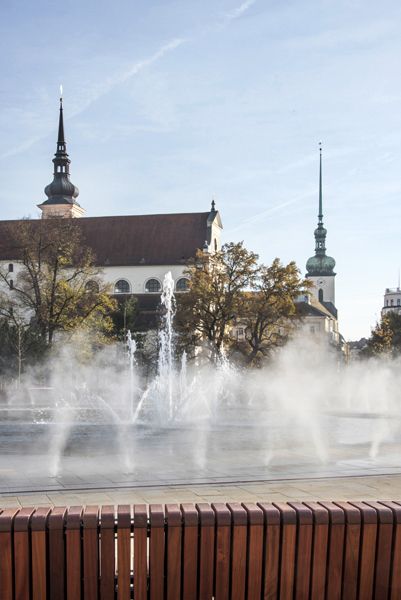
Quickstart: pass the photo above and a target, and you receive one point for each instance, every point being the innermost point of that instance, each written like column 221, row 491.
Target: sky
column 170, row 103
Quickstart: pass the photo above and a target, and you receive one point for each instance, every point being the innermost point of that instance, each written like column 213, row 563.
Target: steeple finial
column 320, row 216
column 213, row 208
column 61, row 138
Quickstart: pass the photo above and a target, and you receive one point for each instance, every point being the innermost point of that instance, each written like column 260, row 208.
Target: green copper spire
column 320, row 216
column 320, row 264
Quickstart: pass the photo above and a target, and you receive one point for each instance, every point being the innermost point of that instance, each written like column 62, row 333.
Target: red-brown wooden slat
column 238, row 551
column 319, row 550
column 335, row 550
column 140, row 552
column 384, row 548
column 304, row 550
column 255, row 551
column 395, row 572
column 124, row 551
column 22, row 555
column 272, row 521
column 351, row 551
column 6, row 555
column 56, row 525
column 206, row 551
column 156, row 552
column 287, row 552
column 173, row 569
column 190, row 551
column 222, row 551
column 367, row 550
column 39, row 551
column 107, row 553
column 91, row 552
column 73, row 552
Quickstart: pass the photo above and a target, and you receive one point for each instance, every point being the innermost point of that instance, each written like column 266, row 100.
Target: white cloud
column 104, row 88
column 240, row 10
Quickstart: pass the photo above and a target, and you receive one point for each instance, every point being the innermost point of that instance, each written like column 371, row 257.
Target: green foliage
column 385, row 339
column 57, row 289
column 124, row 316
column 209, row 308
column 229, row 289
column 268, row 312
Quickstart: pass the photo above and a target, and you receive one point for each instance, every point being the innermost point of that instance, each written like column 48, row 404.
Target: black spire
column 61, row 190
column 61, row 139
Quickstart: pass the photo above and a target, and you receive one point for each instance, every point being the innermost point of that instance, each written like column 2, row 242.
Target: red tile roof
column 134, row 239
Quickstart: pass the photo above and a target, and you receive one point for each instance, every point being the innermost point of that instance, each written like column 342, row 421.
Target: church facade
column 134, row 252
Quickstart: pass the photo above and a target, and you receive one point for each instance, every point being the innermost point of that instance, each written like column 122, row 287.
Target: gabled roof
column 314, row 308
column 133, row 239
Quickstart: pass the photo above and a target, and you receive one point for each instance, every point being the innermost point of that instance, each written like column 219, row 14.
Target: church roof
column 169, row 239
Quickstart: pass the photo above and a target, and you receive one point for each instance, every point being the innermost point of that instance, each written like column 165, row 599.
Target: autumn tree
column 268, row 312
column 56, row 286
column 385, row 339
column 216, row 284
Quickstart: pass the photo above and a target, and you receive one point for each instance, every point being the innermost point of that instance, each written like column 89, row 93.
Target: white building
column 133, row 251
column 392, row 301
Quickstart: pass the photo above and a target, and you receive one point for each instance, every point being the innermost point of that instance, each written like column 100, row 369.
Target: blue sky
column 169, row 103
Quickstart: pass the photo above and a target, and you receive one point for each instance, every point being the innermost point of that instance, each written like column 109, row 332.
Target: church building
column 133, row 251
column 318, row 308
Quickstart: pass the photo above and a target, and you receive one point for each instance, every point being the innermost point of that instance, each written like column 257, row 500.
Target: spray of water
column 303, row 411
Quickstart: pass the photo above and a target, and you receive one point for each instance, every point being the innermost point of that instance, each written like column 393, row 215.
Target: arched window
column 215, row 245
column 320, row 295
column 398, row 302
column 392, row 302
column 122, row 287
column 153, row 286
column 92, row 286
column 10, row 268
column 182, row 285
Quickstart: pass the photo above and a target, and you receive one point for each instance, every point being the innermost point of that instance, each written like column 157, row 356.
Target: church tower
column 320, row 268
column 61, row 192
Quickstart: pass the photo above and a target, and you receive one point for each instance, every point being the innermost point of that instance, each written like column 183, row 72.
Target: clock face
column 320, row 282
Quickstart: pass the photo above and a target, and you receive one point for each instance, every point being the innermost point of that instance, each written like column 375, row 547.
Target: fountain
column 105, row 425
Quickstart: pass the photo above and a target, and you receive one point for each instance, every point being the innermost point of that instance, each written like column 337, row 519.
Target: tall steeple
column 320, row 264
column 320, row 268
column 61, row 192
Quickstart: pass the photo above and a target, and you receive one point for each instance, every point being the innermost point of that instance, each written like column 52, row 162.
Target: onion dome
column 320, row 264
column 61, row 190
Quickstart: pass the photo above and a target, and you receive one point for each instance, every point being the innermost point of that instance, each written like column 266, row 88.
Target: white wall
column 327, row 284
column 137, row 276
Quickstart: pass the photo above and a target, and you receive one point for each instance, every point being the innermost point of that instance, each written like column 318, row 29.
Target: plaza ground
column 379, row 487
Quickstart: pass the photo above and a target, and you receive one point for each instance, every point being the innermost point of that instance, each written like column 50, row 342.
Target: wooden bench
column 310, row 550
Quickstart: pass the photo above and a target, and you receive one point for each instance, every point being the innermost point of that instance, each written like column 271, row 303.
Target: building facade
column 134, row 252
column 392, row 301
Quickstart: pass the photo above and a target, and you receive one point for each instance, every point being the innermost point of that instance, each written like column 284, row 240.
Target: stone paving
column 380, row 487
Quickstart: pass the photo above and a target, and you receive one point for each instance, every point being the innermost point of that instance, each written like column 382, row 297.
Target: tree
column 57, row 287
column 20, row 345
column 216, row 286
column 385, row 339
column 124, row 316
column 268, row 313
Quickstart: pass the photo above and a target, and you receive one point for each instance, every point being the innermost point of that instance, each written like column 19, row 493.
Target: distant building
column 318, row 309
column 392, row 301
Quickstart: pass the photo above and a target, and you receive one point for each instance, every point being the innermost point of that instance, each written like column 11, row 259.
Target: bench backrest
column 198, row 552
